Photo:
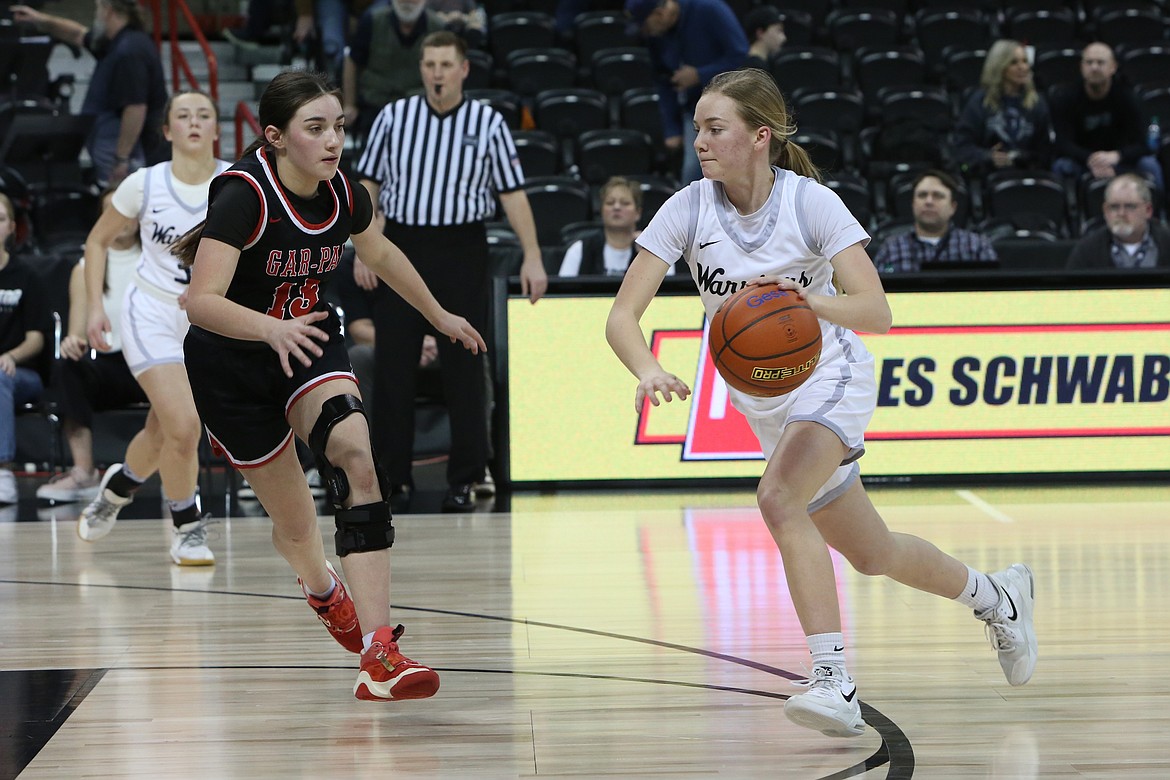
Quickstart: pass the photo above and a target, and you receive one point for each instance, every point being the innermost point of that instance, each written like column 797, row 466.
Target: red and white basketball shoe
column 337, row 613
column 388, row 675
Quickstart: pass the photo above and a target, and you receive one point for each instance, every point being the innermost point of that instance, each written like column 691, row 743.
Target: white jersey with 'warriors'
column 800, row 227
column 165, row 208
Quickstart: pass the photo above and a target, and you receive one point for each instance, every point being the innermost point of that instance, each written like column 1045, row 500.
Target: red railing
column 244, row 114
column 179, row 60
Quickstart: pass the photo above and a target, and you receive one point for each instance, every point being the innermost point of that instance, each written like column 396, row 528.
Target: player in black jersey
column 266, row 360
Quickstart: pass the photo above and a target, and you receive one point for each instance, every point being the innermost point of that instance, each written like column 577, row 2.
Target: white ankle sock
column 327, row 593
column 367, row 640
column 980, row 594
column 828, row 650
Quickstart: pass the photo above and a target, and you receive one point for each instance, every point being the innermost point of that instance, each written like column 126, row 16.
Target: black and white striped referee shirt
column 437, row 170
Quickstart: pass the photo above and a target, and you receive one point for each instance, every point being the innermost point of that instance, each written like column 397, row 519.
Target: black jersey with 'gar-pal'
column 289, row 245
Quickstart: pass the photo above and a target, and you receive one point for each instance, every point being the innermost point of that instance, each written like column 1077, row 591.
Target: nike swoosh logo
column 1015, row 614
column 273, row 220
column 155, row 211
column 709, row 243
column 849, row 696
column 975, row 592
column 838, row 649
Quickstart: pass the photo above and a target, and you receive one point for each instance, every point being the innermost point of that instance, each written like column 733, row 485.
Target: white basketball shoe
column 1009, row 624
column 830, row 705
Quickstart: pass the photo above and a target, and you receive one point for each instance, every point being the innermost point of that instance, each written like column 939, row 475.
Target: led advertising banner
column 970, row 383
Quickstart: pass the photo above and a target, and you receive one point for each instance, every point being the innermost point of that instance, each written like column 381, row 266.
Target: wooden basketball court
column 592, row 635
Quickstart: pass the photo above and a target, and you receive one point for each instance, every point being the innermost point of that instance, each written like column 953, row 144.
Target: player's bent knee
column 363, row 467
column 868, row 564
column 364, row 528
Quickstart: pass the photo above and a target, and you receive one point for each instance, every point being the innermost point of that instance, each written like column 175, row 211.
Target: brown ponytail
column 796, row 159
column 187, row 245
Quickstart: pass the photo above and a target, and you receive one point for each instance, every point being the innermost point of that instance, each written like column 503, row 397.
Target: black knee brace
column 333, row 411
column 364, row 528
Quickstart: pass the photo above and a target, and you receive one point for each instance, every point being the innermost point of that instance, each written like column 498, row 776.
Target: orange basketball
column 765, row 341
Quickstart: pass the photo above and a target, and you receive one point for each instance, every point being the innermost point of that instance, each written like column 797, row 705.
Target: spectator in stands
column 690, row 41
column 765, row 34
column 330, row 22
column 23, row 324
column 381, row 63
column 1131, row 237
column 934, row 239
column 1099, row 125
column 608, row 252
column 85, row 380
column 326, row 23
column 465, row 18
column 127, row 91
column 1006, row 123
column 259, row 19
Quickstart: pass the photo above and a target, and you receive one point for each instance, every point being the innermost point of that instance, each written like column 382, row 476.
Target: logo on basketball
column 767, row 374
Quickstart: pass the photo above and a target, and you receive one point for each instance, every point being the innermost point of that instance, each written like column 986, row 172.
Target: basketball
column 765, row 341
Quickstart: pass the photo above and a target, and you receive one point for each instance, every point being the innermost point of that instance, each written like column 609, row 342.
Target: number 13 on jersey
column 295, row 299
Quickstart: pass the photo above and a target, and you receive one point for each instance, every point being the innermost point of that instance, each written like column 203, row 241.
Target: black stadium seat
column 897, row 67
column 852, row 28
column 556, row 201
column 566, row 113
column 520, row 30
column 597, row 30
column 811, row 67
column 534, row 70
column 1029, row 200
column 538, row 151
column 938, row 29
column 613, row 152
column 616, row 70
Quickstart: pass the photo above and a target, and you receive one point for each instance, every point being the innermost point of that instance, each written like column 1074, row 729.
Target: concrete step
column 261, row 75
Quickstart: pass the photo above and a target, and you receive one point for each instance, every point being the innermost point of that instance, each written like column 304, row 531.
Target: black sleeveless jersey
column 294, row 243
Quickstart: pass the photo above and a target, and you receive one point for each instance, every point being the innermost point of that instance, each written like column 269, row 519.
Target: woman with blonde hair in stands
column 759, row 216
column 1005, row 123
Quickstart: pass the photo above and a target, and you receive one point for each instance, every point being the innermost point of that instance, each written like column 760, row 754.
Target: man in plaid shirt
column 933, row 239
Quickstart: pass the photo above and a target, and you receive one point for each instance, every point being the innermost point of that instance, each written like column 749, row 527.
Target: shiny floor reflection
column 636, row 634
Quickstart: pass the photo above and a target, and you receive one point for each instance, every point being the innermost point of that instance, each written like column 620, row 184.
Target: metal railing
column 244, row 114
column 179, row 61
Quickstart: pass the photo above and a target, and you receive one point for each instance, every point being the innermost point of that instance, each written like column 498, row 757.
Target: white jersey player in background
column 760, row 215
column 165, row 201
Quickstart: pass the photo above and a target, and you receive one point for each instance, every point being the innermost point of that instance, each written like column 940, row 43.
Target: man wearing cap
column 765, row 33
column 690, row 41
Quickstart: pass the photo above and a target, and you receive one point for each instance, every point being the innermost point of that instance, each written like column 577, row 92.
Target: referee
column 434, row 164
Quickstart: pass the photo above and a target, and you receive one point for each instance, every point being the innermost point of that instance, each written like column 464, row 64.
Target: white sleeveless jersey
column 169, row 209
column 801, row 226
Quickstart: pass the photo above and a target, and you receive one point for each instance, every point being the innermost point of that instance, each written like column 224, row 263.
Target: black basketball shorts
column 243, row 396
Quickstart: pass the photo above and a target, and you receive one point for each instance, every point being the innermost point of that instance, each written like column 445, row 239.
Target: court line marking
column 984, row 507
column 895, row 751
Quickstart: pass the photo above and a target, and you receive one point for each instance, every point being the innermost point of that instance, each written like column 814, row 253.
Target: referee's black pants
column 453, row 261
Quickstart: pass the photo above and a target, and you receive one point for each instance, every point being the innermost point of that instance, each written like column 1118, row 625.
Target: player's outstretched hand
column 297, row 338
column 657, row 383
column 458, row 329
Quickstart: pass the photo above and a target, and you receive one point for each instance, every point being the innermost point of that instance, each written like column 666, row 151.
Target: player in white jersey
column 759, row 216
column 164, row 201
